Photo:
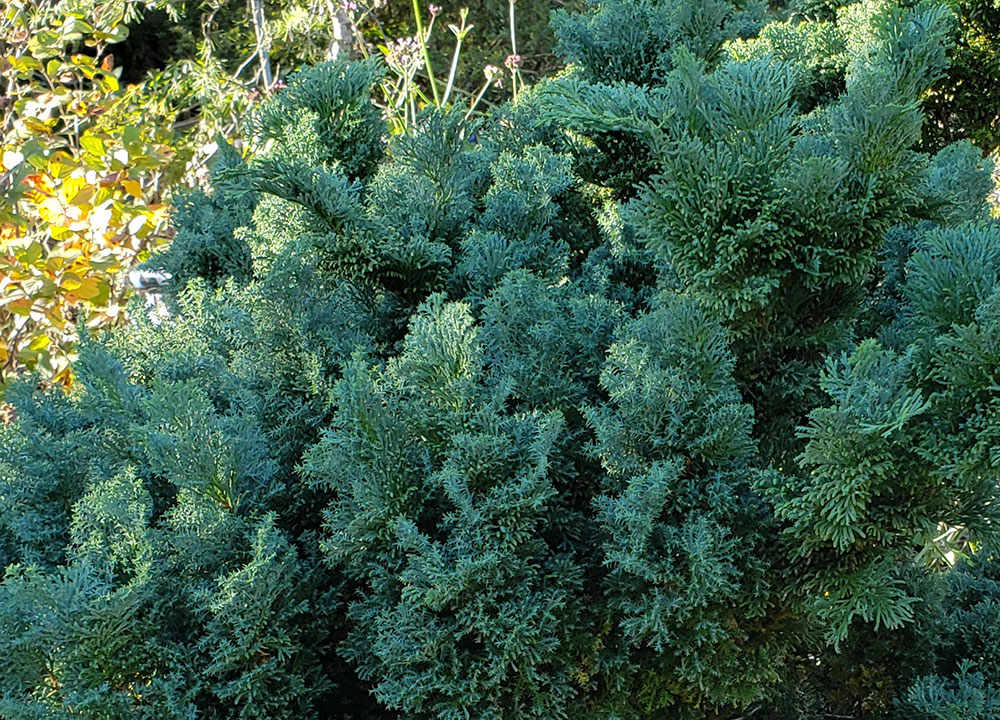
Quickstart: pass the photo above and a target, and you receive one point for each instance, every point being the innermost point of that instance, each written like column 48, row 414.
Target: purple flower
column 513, row 62
column 435, row 10
column 347, row 6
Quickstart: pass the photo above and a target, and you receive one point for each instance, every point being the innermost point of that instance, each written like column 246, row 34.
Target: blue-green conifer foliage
column 669, row 390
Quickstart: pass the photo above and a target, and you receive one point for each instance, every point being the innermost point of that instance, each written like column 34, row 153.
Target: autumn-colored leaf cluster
column 83, row 169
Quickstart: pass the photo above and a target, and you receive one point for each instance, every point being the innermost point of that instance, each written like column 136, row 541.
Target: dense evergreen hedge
column 670, row 391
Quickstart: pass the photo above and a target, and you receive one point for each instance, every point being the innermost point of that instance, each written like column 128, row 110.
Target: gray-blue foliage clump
column 669, row 390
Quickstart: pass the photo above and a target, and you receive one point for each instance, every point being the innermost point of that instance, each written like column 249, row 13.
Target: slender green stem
column 451, row 72
column 401, row 100
column 427, row 56
column 513, row 34
column 482, row 91
column 513, row 46
column 362, row 45
column 419, row 94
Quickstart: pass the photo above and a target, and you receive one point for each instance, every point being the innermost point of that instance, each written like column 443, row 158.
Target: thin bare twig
column 260, row 30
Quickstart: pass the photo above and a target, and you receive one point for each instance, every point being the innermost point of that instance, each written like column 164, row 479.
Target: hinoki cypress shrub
column 671, row 391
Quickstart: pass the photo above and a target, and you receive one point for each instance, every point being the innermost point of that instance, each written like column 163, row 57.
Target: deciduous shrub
column 84, row 164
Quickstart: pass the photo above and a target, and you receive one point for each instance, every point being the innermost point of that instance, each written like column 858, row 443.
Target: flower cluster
column 404, row 55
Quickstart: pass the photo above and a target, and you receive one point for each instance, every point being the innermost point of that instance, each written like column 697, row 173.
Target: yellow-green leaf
column 39, row 343
column 92, row 144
